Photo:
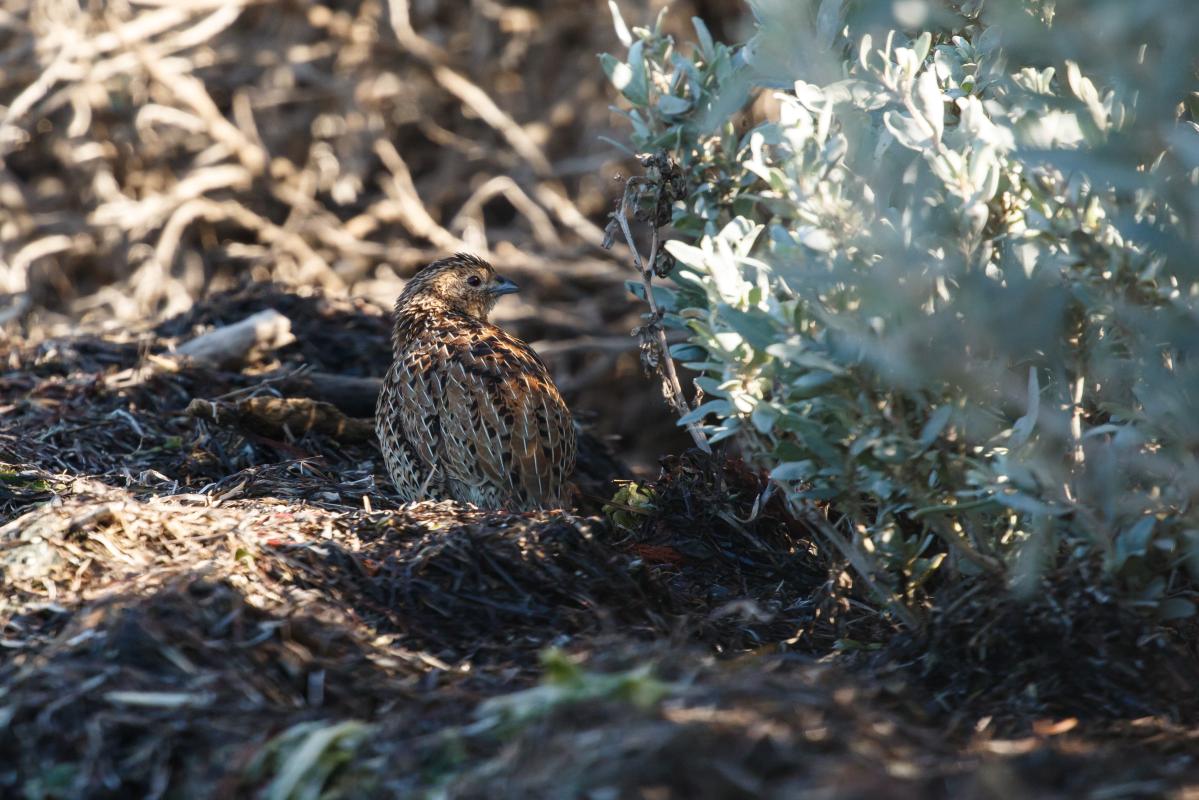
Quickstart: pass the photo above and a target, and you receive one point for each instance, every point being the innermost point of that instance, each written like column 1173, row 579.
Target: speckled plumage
column 469, row 412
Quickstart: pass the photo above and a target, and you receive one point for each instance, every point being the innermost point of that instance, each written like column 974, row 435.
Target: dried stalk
column 546, row 191
column 666, row 368
column 213, row 161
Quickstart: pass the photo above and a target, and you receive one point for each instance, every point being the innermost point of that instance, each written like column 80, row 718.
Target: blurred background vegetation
column 156, row 152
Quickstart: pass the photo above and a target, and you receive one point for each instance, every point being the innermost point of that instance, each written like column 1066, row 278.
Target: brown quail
column 467, row 411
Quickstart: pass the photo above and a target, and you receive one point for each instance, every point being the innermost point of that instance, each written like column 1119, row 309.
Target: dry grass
column 267, row 134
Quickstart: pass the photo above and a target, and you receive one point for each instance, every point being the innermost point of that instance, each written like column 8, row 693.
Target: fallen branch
column 229, row 346
column 354, row 396
column 284, row 418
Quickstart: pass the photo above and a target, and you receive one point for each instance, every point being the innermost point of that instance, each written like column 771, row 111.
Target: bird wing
column 490, row 416
column 410, row 473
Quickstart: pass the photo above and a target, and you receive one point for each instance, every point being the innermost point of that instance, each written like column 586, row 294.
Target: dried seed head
column 663, row 264
column 651, row 358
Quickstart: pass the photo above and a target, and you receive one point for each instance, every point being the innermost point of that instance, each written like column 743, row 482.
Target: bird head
column 463, row 283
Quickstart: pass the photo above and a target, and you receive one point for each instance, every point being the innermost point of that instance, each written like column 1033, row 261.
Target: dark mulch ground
column 193, row 609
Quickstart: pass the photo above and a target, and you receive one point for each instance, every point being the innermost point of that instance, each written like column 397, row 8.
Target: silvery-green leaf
column 907, row 131
column 947, row 65
column 835, row 149
column 1023, row 428
column 740, row 234
column 727, row 430
column 813, row 360
column 824, row 122
column 641, row 129
column 811, row 382
column 670, row 106
column 906, row 61
column 1135, row 540
column 816, row 239
column 688, row 255
column 930, row 102
column 1074, row 79
column 935, row 424
column 922, row 46
column 1051, row 130
column 617, row 71
column 989, row 40
column 628, row 78
column 763, row 417
column 658, row 20
column 687, row 352
column 787, row 350
column 828, row 22
column 756, row 329
column 811, row 96
column 618, row 145
column 728, row 341
column 622, row 30
column 638, row 90
column 663, row 296
column 710, row 386
column 706, row 46
column 974, row 122
column 863, row 94
column 1019, row 501
column 720, row 408
column 864, row 49
column 793, row 471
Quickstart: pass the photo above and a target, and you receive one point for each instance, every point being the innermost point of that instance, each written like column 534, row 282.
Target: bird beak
column 503, row 286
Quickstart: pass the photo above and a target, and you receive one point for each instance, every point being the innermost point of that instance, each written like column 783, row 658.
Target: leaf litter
column 192, row 608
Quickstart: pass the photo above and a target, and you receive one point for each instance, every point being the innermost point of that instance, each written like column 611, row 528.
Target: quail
column 467, row 411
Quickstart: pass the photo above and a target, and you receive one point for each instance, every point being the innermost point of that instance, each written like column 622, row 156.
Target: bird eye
column 474, row 280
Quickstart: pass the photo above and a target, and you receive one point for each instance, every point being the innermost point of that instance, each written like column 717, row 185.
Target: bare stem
column 669, row 374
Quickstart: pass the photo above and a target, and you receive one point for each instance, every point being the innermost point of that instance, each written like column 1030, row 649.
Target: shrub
column 943, row 277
